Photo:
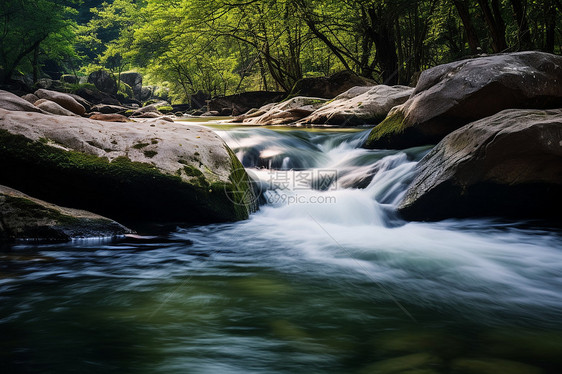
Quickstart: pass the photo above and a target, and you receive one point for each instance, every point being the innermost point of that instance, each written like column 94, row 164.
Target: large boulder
column 109, row 117
column 52, row 107
column 146, row 109
column 108, row 109
column 452, row 95
column 9, row 101
column 31, row 98
column 199, row 100
column 243, row 102
column 329, row 87
column 104, row 81
column 360, row 105
column 286, row 112
column 71, row 79
column 64, row 100
column 134, row 80
column 95, row 96
column 155, row 171
column 507, row 165
column 27, row 218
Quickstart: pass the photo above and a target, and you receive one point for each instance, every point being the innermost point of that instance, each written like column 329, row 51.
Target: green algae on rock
column 97, row 166
column 25, row 218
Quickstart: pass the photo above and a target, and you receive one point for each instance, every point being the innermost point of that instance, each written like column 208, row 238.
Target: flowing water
column 324, row 278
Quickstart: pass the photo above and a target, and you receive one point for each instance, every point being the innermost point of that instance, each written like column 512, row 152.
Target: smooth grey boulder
column 134, row 80
column 25, row 218
column 286, row 112
column 104, row 81
column 452, row 95
column 506, row 165
column 52, row 107
column 360, row 105
column 62, row 99
column 9, row 101
column 155, row 171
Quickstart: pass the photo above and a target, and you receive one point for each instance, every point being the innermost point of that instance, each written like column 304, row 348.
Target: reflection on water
column 296, row 288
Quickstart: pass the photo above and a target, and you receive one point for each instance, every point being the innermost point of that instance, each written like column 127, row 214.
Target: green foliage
column 34, row 31
column 125, row 90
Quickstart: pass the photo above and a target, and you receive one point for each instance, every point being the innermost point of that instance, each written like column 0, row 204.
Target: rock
column 146, row 109
column 241, row 103
column 329, row 87
column 31, row 98
column 211, row 113
column 507, row 165
column 286, row 112
column 360, row 105
column 24, row 217
column 108, row 109
column 104, row 81
column 225, row 112
column 181, row 107
column 452, row 95
column 44, row 83
column 199, row 100
column 147, row 115
column 154, row 171
column 134, row 80
column 52, row 107
column 96, row 97
column 109, row 117
column 146, row 93
column 85, row 103
column 71, row 79
column 9, row 101
column 64, row 100
column 197, row 113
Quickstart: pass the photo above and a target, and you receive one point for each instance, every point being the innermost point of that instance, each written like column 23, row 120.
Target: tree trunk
column 523, row 33
column 550, row 29
column 36, row 64
column 470, row 31
column 383, row 36
column 495, row 24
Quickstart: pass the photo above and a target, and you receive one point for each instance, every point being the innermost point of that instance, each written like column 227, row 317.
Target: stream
column 324, row 278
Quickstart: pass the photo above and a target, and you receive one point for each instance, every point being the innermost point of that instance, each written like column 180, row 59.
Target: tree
column 26, row 27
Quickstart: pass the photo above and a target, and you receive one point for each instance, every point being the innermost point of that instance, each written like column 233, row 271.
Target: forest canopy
column 228, row 46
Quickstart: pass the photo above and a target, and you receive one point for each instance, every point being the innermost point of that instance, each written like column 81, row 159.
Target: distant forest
column 229, row 46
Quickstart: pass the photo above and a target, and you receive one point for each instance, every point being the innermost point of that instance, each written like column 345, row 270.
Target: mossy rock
column 25, row 218
column 125, row 171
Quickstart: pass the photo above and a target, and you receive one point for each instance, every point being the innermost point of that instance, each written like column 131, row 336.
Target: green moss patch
column 120, row 189
column 392, row 124
column 140, row 145
column 150, row 154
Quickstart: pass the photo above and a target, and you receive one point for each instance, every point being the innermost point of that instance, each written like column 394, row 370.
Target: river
column 324, row 278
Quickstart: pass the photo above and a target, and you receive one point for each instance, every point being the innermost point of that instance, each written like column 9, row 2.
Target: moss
column 316, row 101
column 121, row 189
column 392, row 124
column 75, row 87
column 43, row 140
column 140, row 145
column 125, row 90
column 150, row 154
column 165, row 109
column 192, row 171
